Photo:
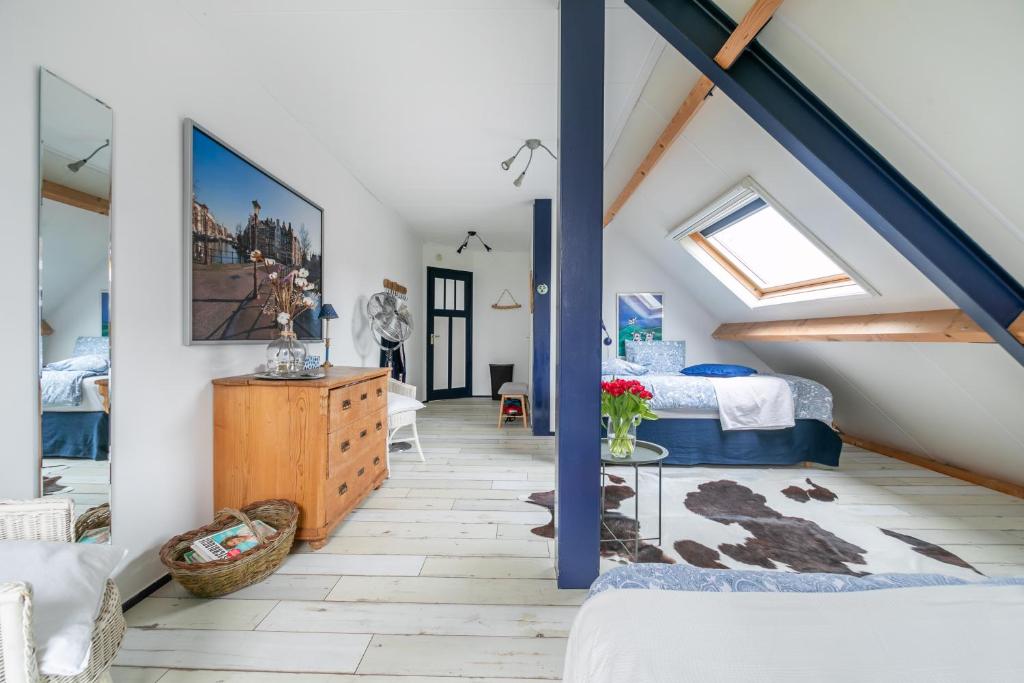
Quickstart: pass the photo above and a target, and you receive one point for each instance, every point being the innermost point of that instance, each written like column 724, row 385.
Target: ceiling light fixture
column 532, row 144
column 76, row 166
column 470, row 234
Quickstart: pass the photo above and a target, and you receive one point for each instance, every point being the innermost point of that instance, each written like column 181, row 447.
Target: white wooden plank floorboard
column 131, row 674
column 414, row 530
column 437, row 483
column 188, row 613
column 436, row 590
column 466, row 494
column 365, row 565
column 513, row 505
column 405, row 503
column 464, row 656
column 489, row 567
column 540, row 516
column 450, row 547
column 242, row 650
column 207, row 676
column 274, row 587
column 414, row 619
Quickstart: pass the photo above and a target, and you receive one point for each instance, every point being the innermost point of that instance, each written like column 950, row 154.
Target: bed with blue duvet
column 728, row 415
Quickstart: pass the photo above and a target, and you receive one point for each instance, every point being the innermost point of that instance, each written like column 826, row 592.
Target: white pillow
column 618, row 366
column 397, row 403
column 68, row 581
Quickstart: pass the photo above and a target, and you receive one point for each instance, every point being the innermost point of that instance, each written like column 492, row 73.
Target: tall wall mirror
column 75, row 145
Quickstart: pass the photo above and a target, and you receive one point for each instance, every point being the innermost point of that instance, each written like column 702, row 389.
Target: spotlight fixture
column 532, row 144
column 470, row 234
column 76, row 166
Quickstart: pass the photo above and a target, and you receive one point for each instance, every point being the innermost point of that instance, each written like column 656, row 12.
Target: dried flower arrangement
column 291, row 294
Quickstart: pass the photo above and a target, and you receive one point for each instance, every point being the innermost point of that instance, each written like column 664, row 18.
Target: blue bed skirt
column 76, row 435
column 702, row 442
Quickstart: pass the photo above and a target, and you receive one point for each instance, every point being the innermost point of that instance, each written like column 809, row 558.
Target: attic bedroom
column 512, row 340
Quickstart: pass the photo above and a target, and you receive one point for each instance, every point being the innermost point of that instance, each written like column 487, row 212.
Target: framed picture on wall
column 639, row 317
column 232, row 208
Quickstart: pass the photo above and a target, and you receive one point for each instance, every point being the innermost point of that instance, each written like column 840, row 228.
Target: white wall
column 499, row 336
column 154, row 66
column 75, row 270
column 628, row 269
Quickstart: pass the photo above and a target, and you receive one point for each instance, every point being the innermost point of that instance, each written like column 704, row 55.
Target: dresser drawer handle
column 343, row 489
column 362, row 397
column 346, row 404
column 380, row 392
column 362, row 434
column 376, row 460
column 361, row 472
column 345, row 445
column 379, row 426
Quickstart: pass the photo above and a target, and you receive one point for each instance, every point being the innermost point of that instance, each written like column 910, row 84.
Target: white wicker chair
column 406, row 418
column 48, row 519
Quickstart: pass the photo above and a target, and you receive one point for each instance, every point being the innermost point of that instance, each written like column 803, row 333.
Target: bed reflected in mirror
column 75, row 131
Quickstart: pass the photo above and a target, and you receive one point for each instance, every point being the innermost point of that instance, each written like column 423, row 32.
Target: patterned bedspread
column 811, row 400
column 63, row 387
column 679, row 577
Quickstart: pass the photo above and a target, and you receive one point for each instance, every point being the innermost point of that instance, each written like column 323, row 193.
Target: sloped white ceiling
column 424, row 98
column 903, row 85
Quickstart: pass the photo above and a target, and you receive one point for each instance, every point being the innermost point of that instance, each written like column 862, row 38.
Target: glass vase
column 621, row 434
column 286, row 355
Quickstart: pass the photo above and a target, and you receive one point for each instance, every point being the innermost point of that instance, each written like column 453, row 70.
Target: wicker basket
column 93, row 518
column 220, row 577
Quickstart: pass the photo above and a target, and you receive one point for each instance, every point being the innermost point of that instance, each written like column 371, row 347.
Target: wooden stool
column 514, row 390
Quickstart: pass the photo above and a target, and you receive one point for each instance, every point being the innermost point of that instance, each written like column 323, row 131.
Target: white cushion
column 513, row 388
column 68, row 581
column 400, row 404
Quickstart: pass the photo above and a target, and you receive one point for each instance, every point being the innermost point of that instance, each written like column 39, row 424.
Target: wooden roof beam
column 919, row 326
column 76, row 198
column 746, row 31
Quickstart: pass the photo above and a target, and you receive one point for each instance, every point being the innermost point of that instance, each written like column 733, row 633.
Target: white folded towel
column 754, row 402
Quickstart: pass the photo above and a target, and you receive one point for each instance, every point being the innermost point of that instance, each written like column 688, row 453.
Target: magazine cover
column 229, row 542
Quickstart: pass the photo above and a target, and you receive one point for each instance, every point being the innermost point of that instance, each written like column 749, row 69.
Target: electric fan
column 390, row 320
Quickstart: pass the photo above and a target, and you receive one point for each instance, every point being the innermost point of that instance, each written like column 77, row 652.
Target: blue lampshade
column 327, row 312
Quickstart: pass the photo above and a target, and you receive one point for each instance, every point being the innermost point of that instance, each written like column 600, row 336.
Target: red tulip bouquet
column 624, row 403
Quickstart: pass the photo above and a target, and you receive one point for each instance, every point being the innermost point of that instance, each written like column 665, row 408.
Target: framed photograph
column 639, row 317
column 233, row 208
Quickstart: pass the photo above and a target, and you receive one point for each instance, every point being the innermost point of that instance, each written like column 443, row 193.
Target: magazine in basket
column 228, row 542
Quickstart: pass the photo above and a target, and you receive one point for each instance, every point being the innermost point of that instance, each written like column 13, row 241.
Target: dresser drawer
column 357, row 400
column 344, row 491
column 356, row 441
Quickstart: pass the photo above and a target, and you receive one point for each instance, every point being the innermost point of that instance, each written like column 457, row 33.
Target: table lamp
column 327, row 314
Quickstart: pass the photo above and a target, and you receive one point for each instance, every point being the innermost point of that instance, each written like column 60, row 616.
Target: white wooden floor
column 437, row 578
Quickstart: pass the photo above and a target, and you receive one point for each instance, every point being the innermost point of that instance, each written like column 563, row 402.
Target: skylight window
column 761, row 253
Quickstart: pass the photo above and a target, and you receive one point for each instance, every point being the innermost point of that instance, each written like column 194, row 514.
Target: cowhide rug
column 768, row 520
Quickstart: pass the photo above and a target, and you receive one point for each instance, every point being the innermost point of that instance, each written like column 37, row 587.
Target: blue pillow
column 618, row 366
column 90, row 363
column 719, row 370
column 658, row 356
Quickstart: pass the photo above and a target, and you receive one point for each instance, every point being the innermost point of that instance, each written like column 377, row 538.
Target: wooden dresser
column 321, row 443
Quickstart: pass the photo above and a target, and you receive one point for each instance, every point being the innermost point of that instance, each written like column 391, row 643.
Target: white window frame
column 737, row 197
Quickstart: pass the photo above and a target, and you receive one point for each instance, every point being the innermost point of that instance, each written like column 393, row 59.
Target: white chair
column 402, row 407
column 48, row 519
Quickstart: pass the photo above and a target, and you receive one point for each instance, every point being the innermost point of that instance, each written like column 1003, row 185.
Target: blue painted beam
column 580, row 180
column 847, row 164
column 541, row 405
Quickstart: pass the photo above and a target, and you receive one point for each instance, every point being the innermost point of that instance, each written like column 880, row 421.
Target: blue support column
column 540, row 410
column 847, row 164
column 580, row 181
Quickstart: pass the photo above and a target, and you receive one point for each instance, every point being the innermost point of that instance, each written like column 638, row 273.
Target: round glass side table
column 646, row 453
